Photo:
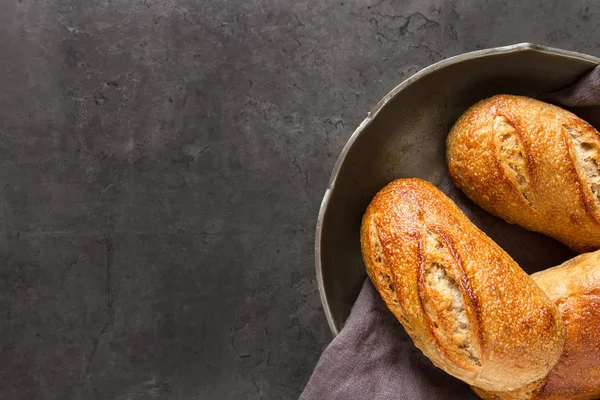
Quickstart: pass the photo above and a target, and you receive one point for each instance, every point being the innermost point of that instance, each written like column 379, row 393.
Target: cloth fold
column 582, row 98
column 373, row 358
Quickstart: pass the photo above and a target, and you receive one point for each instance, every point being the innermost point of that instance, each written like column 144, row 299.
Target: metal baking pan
column 404, row 136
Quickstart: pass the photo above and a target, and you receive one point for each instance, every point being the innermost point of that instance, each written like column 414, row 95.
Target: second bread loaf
column 465, row 303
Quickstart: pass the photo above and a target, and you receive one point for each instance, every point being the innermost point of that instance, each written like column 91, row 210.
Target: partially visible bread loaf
column 466, row 304
column 575, row 288
column 531, row 163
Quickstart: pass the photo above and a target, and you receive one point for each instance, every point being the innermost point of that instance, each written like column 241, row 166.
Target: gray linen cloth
column 373, row 358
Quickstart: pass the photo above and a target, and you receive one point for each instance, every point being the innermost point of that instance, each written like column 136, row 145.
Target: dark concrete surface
column 161, row 167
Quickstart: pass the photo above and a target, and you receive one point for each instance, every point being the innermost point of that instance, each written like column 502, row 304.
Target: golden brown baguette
column 575, row 288
column 531, row 163
column 465, row 303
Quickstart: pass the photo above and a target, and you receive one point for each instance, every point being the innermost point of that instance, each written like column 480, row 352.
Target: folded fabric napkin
column 582, row 98
column 373, row 358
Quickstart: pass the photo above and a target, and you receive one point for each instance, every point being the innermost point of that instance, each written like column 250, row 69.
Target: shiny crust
column 537, row 179
column 513, row 335
column 575, row 288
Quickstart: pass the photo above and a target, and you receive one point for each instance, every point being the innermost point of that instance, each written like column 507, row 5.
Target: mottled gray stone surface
column 161, row 167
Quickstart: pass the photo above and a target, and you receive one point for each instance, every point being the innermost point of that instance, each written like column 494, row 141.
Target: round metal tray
column 404, row 136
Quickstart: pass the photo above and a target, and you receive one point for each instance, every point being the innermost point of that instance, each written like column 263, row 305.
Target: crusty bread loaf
column 465, row 303
column 575, row 288
column 530, row 163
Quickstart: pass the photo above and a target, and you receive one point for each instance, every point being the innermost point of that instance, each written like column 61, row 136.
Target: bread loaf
column 575, row 288
column 531, row 163
column 465, row 303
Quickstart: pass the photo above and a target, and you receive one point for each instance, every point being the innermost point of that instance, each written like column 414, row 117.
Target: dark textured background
column 161, row 169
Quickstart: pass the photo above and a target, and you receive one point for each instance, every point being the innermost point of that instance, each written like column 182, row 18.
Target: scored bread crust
column 574, row 287
column 530, row 163
column 465, row 303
